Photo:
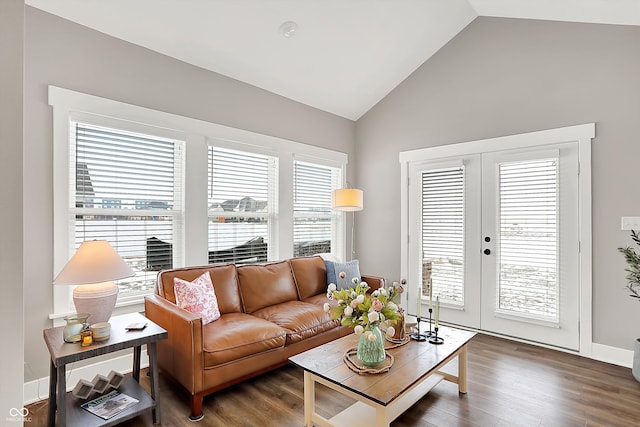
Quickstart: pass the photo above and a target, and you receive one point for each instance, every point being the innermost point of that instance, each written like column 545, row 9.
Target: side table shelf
column 81, row 417
column 64, row 408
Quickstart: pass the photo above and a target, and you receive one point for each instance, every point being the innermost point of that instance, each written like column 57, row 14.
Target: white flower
column 383, row 291
column 374, row 316
column 375, row 294
column 360, row 299
column 391, row 331
column 364, row 284
column 392, row 306
column 355, row 280
column 348, row 311
column 326, row 307
column 372, row 337
column 340, row 302
column 330, row 295
column 353, row 295
column 358, row 330
column 332, row 287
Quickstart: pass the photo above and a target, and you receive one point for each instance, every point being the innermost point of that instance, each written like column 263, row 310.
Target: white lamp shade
column 347, row 199
column 94, row 265
column 95, row 261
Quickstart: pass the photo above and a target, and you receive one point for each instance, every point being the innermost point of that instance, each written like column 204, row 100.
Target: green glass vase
column 370, row 351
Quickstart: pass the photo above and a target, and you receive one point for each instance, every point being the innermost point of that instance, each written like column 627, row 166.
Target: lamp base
column 97, row 299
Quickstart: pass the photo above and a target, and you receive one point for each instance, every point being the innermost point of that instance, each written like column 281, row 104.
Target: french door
column 495, row 235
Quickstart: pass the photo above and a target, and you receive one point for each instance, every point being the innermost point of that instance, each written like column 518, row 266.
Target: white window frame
column 582, row 134
column 338, row 240
column 271, row 216
column 197, row 134
column 177, row 212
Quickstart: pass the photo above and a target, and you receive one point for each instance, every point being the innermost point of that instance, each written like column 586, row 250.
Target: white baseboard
column 37, row 390
column 613, row 355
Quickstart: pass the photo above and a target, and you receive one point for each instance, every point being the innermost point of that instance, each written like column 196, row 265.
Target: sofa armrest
column 374, row 282
column 181, row 355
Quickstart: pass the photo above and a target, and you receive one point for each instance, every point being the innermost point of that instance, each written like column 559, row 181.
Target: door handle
column 487, row 251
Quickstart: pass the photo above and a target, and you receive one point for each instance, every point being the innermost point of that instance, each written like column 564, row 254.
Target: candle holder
column 429, row 333
column 435, row 339
column 417, row 336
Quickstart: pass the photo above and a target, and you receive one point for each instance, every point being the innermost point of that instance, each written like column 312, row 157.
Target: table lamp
column 93, row 267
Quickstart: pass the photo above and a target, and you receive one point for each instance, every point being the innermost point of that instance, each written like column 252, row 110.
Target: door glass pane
column 443, row 233
column 528, row 245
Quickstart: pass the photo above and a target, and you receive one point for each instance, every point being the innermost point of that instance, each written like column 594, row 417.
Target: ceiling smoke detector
column 288, row 29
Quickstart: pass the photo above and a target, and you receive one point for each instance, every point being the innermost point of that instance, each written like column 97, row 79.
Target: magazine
column 110, row 404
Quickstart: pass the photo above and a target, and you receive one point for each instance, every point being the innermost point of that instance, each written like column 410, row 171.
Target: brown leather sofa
column 269, row 312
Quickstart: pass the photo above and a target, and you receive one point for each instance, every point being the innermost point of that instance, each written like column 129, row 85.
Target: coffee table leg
column 462, row 370
column 382, row 417
column 309, row 399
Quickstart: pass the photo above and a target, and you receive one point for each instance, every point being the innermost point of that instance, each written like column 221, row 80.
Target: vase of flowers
column 371, row 347
column 369, row 314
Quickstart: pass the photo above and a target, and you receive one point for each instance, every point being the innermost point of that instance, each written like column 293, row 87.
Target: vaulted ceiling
column 344, row 56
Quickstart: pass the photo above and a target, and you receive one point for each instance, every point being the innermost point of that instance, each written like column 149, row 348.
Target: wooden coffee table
column 381, row 398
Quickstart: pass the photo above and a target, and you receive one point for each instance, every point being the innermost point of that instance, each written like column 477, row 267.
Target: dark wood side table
column 68, row 407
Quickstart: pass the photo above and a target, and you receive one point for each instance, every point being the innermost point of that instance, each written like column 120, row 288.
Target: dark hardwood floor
column 510, row 384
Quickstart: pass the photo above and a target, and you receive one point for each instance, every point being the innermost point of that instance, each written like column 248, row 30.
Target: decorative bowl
column 101, row 331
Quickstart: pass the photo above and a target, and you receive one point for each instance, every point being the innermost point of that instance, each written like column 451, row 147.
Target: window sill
column 125, row 307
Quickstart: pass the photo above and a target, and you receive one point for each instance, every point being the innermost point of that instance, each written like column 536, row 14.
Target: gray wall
column 68, row 55
column 507, row 76
column 11, row 119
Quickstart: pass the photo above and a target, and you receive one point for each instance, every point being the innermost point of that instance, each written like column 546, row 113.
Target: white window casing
column 190, row 245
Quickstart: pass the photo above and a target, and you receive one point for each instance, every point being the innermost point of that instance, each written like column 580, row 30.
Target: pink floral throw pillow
column 198, row 297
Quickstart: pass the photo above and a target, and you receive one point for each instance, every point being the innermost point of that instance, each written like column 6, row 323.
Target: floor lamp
column 348, row 200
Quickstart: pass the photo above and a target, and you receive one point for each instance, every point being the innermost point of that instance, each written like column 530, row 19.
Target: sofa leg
column 196, row 407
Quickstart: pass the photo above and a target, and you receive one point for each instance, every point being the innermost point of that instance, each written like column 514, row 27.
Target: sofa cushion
column 320, row 299
column 198, row 297
column 310, row 276
column 265, row 285
column 300, row 319
column 238, row 335
column 223, row 277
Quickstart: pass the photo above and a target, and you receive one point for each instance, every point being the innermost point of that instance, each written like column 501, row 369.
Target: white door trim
column 582, row 134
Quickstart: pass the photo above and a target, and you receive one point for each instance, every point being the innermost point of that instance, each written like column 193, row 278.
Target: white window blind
column 127, row 189
column 529, row 242
column 314, row 226
column 443, row 232
column 242, row 206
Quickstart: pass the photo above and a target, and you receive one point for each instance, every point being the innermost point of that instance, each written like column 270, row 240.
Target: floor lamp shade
column 93, row 267
column 347, row 199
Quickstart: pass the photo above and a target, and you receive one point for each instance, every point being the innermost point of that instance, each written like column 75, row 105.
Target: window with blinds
column 242, row 206
column 127, row 190
column 528, row 220
column 443, row 233
column 314, row 225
